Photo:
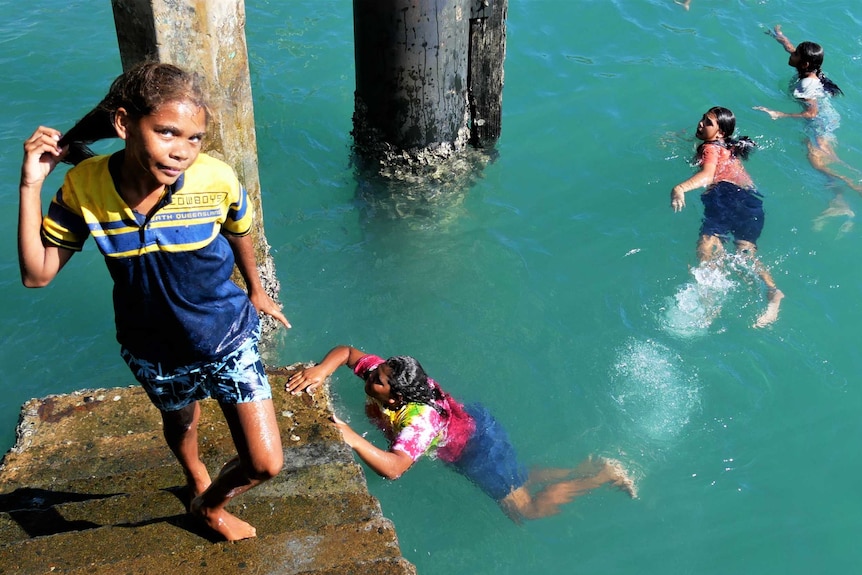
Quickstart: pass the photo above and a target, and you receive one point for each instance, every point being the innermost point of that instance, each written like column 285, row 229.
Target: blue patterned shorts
column 238, row 377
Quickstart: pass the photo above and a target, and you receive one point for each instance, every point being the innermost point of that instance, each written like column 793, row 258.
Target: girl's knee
column 179, row 422
column 746, row 247
column 262, row 467
column 708, row 247
column 517, row 505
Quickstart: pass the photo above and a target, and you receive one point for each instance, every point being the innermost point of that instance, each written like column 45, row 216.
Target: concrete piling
column 207, row 37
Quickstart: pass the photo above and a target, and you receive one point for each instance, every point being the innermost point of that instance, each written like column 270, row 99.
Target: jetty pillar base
column 207, row 37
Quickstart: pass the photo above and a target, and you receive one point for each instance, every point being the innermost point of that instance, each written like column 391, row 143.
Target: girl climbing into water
column 732, row 205
column 170, row 221
column 418, row 417
column 815, row 91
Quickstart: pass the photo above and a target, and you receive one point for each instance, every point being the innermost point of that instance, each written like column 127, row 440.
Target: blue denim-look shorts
column 488, row 459
column 731, row 210
column 239, row 377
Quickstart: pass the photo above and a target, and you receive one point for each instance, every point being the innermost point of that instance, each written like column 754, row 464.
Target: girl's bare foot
column 774, row 295
column 228, row 526
column 838, row 207
column 613, row 472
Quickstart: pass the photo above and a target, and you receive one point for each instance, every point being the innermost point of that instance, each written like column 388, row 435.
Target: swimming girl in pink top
column 731, row 204
column 418, row 418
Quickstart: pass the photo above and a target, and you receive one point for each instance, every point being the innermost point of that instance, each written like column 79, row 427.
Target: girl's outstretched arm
column 313, row 377
column 701, row 179
column 39, row 263
column 243, row 253
column 388, row 464
column 810, row 111
column 781, row 38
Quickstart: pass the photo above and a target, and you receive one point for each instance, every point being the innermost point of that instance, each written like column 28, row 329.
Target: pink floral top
column 417, row 428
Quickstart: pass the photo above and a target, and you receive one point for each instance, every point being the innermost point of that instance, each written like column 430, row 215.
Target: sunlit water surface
column 556, row 286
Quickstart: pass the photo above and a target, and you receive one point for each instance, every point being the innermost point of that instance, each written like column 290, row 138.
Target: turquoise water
column 555, row 288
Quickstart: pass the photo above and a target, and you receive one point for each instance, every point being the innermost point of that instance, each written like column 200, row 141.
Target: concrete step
column 387, row 566
column 381, row 566
column 315, row 471
column 82, row 416
column 91, row 487
column 109, row 456
column 313, row 468
column 172, row 547
column 271, row 514
column 101, row 456
column 112, row 446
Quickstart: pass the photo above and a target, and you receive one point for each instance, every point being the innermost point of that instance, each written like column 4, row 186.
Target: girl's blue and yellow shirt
column 174, row 301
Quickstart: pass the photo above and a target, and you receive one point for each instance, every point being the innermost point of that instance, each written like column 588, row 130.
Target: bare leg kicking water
column 522, row 504
column 709, row 248
column 822, row 156
column 838, row 207
column 773, row 294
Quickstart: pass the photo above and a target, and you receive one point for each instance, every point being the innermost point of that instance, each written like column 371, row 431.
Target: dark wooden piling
column 411, row 75
column 485, row 74
column 207, row 37
column 429, row 77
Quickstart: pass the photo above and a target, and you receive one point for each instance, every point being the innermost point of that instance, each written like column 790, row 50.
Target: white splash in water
column 690, row 311
column 654, row 390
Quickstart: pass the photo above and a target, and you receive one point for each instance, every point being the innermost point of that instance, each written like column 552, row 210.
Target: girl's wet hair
column 727, row 124
column 810, row 60
column 140, row 91
column 410, row 383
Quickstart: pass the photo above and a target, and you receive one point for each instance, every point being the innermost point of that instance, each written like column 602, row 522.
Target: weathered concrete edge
column 29, row 424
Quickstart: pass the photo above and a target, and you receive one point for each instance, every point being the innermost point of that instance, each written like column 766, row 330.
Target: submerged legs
column 556, row 487
column 773, row 294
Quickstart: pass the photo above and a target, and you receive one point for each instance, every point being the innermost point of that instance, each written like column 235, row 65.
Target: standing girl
column 170, row 222
column 418, row 417
column 731, row 204
column 815, row 91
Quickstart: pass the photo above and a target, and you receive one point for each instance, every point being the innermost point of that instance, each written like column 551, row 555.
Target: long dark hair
column 141, row 91
column 810, row 60
column 410, row 382
column 741, row 147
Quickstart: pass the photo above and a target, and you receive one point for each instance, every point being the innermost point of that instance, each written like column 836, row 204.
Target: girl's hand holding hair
column 41, row 156
column 39, row 263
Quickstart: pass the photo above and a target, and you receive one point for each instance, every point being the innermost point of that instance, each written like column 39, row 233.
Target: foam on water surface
column 654, row 389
